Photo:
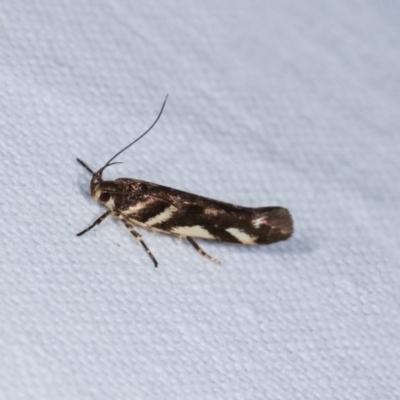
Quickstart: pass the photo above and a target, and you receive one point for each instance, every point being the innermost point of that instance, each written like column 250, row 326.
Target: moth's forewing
column 173, row 211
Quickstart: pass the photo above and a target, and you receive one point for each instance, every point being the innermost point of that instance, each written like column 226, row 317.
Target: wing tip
column 279, row 221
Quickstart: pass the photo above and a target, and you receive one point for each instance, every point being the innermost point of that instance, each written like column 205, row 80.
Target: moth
column 186, row 215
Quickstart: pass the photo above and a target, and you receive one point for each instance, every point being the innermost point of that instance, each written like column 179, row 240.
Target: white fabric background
column 294, row 104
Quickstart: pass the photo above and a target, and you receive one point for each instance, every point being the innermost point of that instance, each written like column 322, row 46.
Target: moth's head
column 104, row 192
column 101, row 190
column 97, row 185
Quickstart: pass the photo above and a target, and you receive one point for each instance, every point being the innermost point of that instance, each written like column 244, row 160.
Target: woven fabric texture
column 271, row 103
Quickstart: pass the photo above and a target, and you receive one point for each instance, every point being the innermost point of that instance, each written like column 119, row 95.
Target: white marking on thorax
column 243, row 237
column 163, row 216
column 193, row 231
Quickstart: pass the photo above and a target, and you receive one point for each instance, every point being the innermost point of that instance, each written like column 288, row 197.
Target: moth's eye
column 104, row 197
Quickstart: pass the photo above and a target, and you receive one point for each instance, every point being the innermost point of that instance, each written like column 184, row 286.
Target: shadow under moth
column 186, row 215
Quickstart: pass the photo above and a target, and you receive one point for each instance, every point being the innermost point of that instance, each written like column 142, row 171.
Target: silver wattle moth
column 186, row 215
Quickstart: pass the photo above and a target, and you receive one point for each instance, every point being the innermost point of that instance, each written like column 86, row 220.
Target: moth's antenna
column 136, row 140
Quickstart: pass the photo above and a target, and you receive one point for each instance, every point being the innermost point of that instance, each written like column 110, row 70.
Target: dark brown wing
column 185, row 214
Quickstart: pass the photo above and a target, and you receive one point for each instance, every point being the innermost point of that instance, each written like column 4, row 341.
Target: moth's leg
column 201, row 251
column 138, row 236
column 97, row 222
column 84, row 165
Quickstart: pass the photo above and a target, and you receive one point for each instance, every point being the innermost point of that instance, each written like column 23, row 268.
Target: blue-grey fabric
column 271, row 103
